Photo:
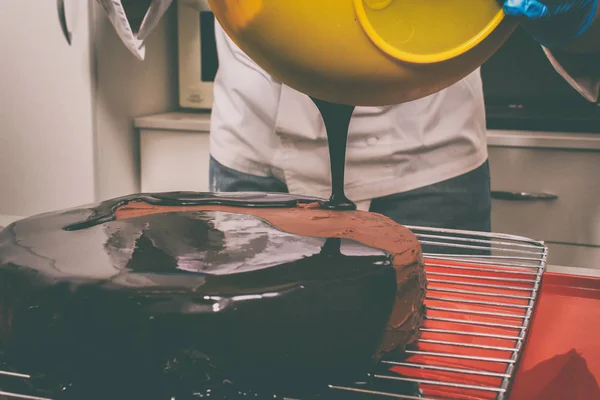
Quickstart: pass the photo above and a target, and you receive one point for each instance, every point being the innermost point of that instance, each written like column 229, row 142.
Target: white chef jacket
column 262, row 127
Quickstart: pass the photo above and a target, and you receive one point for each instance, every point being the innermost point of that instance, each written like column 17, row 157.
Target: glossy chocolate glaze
column 105, row 211
column 371, row 229
column 208, row 302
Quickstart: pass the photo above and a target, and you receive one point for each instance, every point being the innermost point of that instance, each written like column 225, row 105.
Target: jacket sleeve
column 581, row 71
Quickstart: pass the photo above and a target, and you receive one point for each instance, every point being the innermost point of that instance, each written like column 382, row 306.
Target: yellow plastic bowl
column 366, row 52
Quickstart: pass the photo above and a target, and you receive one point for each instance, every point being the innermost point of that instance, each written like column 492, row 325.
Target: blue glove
column 553, row 23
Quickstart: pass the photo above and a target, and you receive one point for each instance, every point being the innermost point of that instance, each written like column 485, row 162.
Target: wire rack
column 482, row 291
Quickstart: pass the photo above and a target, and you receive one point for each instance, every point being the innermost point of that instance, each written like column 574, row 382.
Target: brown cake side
column 370, row 229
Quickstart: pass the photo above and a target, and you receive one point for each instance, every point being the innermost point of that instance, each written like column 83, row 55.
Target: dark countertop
column 583, row 118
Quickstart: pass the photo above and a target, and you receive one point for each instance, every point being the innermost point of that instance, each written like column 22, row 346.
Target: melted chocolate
column 105, row 211
column 337, row 121
column 204, row 304
column 189, row 304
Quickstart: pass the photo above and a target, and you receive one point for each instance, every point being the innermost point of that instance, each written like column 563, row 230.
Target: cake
column 184, row 295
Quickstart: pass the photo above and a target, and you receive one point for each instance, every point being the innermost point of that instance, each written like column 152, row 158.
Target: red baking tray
column 561, row 356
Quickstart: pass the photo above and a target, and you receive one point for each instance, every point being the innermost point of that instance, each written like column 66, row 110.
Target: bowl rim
column 414, row 58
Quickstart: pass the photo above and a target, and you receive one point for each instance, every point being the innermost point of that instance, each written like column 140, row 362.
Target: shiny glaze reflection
column 105, row 211
column 188, row 304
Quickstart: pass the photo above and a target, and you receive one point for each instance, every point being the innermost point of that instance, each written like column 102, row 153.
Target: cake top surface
column 180, row 239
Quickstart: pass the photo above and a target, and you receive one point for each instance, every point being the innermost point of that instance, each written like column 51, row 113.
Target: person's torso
column 260, row 126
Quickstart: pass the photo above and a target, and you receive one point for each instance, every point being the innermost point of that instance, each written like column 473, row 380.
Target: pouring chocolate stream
column 337, row 121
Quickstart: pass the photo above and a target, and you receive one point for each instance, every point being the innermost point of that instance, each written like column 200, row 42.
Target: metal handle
column 522, row 196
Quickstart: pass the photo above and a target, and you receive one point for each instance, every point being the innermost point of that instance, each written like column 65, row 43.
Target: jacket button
column 372, row 141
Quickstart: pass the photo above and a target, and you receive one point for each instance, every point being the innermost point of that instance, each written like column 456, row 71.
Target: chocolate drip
column 332, row 246
column 337, row 120
column 105, row 212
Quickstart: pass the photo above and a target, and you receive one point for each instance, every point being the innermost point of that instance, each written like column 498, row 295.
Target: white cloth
column 262, row 127
column 580, row 71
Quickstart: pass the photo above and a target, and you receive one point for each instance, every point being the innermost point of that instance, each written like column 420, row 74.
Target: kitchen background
column 89, row 121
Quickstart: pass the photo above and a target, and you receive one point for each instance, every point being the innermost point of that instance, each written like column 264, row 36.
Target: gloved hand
column 553, row 23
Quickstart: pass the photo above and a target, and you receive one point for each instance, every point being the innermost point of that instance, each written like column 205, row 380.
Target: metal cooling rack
column 482, row 290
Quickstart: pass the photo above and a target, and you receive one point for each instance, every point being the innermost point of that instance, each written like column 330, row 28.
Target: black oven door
column 524, row 92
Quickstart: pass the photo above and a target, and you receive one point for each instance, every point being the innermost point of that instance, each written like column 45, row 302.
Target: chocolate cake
column 193, row 295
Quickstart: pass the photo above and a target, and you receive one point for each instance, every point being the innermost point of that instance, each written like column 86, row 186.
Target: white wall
column 128, row 88
column 46, row 135
column 66, row 112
